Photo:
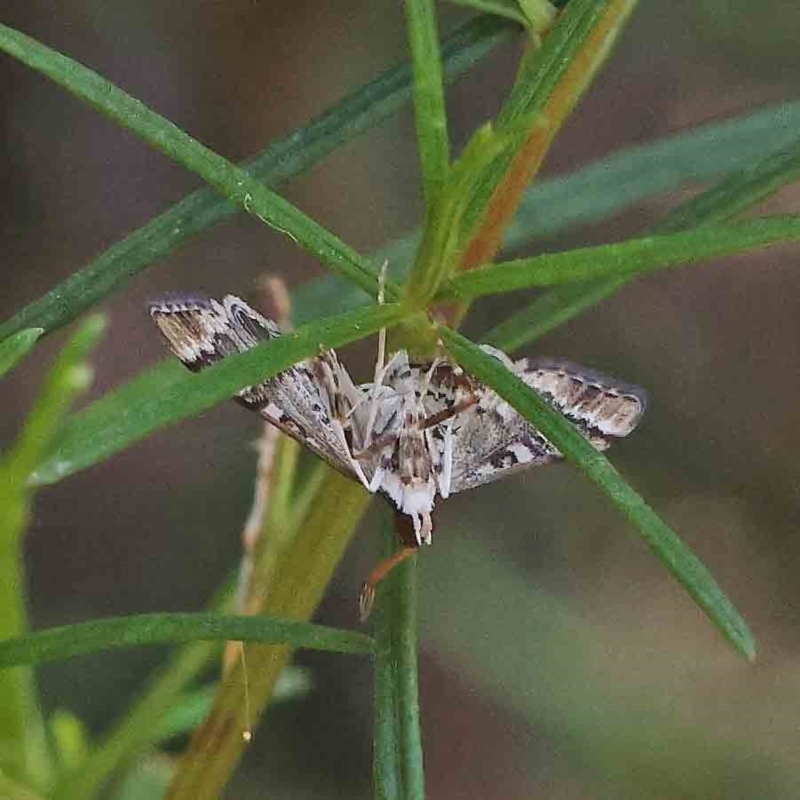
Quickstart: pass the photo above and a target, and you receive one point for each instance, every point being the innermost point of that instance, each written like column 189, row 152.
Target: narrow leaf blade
column 624, row 259
column 367, row 106
column 658, row 536
column 151, row 629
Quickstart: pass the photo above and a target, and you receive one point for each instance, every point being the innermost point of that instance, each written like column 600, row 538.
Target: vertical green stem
column 24, row 754
column 429, row 106
column 385, row 756
column 22, row 747
column 398, row 762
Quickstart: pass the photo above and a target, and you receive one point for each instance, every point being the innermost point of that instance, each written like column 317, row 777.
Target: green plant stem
column 228, row 179
column 386, row 735
column 366, row 107
column 397, row 758
column 429, row 108
column 24, row 752
column 549, row 83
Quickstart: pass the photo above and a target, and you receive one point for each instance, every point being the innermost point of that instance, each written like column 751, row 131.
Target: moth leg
column 337, row 426
column 366, row 597
column 339, row 390
column 377, row 479
column 426, row 381
column 447, row 413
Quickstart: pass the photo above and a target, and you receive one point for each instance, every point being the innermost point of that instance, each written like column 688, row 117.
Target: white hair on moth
column 416, row 501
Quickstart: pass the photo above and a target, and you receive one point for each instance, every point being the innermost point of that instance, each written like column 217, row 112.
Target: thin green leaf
column 664, row 543
column 717, row 204
column 624, row 259
column 168, row 393
column 71, row 739
column 129, row 737
column 69, row 376
column 16, row 347
column 630, row 176
column 24, row 752
column 149, row 629
column 397, row 756
column 367, row 106
column 738, row 192
column 542, row 70
column 230, row 180
column 437, row 255
column 429, row 109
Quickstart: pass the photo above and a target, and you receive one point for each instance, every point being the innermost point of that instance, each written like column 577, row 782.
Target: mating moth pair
column 418, row 431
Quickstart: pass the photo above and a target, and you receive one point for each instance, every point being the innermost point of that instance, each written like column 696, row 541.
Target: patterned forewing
column 299, row 400
column 491, row 440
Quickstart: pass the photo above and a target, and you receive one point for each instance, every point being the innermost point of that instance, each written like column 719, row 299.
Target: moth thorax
column 413, row 458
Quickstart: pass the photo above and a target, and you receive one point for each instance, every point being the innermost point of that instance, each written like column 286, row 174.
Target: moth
column 417, row 431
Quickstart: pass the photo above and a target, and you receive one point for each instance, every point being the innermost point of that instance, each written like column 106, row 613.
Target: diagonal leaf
column 738, row 192
column 658, row 536
column 634, row 174
column 717, row 204
column 149, row 629
column 168, row 392
column 625, row 259
column 367, row 106
column 230, row 180
column 16, row 347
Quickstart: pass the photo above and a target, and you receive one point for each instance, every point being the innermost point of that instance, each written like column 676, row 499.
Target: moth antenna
column 379, row 361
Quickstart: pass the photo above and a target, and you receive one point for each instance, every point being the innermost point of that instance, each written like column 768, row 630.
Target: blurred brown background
column 558, row 659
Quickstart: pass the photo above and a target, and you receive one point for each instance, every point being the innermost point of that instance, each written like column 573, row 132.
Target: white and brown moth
column 417, row 432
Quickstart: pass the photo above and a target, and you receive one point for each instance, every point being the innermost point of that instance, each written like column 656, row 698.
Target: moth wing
column 302, row 401
column 491, row 440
